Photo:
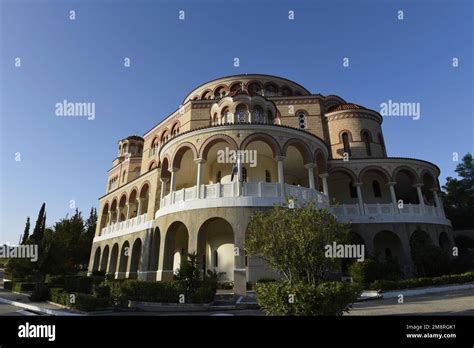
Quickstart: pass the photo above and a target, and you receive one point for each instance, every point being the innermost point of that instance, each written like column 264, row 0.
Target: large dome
column 253, row 84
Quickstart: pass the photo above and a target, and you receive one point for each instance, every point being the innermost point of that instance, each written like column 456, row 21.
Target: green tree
column 292, row 241
column 429, row 260
column 26, row 233
column 459, row 201
column 40, row 225
column 85, row 241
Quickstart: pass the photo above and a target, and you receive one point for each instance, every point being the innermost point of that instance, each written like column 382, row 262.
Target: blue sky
column 65, row 159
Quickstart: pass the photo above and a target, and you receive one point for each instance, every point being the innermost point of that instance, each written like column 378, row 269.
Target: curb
column 36, row 308
column 425, row 291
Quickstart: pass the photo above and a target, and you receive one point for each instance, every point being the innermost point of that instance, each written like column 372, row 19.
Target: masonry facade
column 170, row 193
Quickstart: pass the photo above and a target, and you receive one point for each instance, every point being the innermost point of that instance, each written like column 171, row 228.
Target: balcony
column 387, row 213
column 249, row 194
column 135, row 224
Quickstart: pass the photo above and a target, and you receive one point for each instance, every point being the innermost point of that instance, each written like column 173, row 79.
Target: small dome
column 133, row 137
column 347, row 106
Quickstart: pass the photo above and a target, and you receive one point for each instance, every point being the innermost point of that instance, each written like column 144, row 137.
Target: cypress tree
column 26, row 233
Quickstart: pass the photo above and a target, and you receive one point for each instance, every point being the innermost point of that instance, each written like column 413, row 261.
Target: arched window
column 285, row 91
column 257, row 114
column 225, row 116
column 345, row 142
column 255, row 89
column 376, row 188
column 382, row 144
column 244, row 174
column 268, row 176
column 352, row 190
column 366, row 139
column 241, row 113
column 216, row 259
column 302, row 120
column 218, row 177
column 271, row 90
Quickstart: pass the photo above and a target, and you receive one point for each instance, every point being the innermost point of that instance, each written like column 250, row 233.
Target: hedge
column 421, row 282
column 19, row 286
column 122, row 291
column 74, row 283
column 326, row 298
column 83, row 302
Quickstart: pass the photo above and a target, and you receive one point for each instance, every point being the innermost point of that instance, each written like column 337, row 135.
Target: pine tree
column 26, row 233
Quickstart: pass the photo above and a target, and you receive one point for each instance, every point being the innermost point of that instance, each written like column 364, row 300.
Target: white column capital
column 357, row 184
column 391, row 183
column 199, row 160
column 310, row 165
column 324, row 175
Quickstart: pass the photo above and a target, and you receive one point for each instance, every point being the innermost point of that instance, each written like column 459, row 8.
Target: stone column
column 439, row 206
column 420, row 196
column 118, row 214
column 240, row 271
column 173, row 177
column 281, row 175
column 391, row 186
column 358, row 186
column 310, row 168
column 163, row 187
column 199, row 162
column 109, row 217
column 128, row 211
column 139, row 207
column 324, row 177
column 239, row 175
column 145, row 256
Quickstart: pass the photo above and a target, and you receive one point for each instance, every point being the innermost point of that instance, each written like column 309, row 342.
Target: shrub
column 365, row 271
column 82, row 302
column 122, row 291
column 82, row 284
column 86, row 302
column 58, row 295
column 19, row 286
column 421, row 282
column 326, row 298
column 55, row 281
column 369, row 270
column 41, row 293
column 135, row 290
column 101, row 291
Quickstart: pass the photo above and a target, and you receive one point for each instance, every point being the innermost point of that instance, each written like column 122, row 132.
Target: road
column 446, row 303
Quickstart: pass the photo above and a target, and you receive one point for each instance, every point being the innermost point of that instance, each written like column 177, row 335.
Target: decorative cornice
column 344, row 114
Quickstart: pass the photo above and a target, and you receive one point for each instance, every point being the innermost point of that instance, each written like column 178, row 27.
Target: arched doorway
column 136, row 258
column 95, row 265
column 114, row 259
column 123, row 259
column 216, row 248
column 105, row 259
column 176, row 246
